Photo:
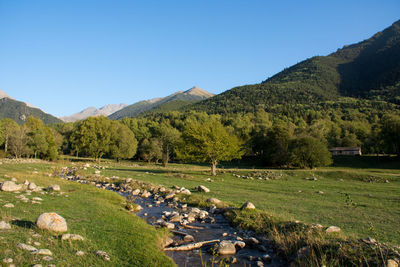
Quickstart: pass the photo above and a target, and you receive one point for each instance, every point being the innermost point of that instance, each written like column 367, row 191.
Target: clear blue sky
column 63, row 56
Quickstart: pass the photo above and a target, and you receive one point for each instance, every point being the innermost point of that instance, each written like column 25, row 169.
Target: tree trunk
column 6, row 145
column 165, row 158
column 214, row 167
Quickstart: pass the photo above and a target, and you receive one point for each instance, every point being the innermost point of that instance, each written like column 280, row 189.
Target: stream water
column 219, row 229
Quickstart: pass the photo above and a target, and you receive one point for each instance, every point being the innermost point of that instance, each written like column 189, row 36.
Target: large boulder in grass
column 202, row 188
column 248, row 205
column 10, row 186
column 52, row 222
column 226, row 248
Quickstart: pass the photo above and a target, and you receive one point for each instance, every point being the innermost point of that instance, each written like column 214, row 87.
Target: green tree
column 168, row 138
column 390, row 133
column 151, row 150
column 123, row 143
column 37, row 137
column 92, row 137
column 18, row 141
column 9, row 128
column 210, row 141
column 309, row 152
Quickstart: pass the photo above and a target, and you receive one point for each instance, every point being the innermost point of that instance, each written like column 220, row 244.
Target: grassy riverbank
column 98, row 215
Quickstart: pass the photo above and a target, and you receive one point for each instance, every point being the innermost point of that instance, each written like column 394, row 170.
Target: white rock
column 103, row 254
column 72, row 237
column 80, row 253
column 8, row 205
column 202, row 188
column 226, row 248
column 186, row 192
column 248, row 205
column 37, row 199
column 8, row 260
column 10, row 186
column 52, row 222
column 213, row 200
column 44, row 251
column 26, row 247
column 4, row 225
column 54, row 187
column 332, row 229
column 32, row 186
column 47, row 258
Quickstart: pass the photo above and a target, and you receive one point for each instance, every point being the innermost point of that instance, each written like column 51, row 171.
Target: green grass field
column 98, row 215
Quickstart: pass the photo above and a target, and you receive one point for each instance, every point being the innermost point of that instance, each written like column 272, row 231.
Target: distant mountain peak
column 4, row 95
column 198, row 92
column 93, row 112
column 171, row 102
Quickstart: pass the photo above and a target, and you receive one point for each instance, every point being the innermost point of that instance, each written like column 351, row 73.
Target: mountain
column 93, row 112
column 4, row 95
column 366, row 70
column 20, row 111
column 172, row 102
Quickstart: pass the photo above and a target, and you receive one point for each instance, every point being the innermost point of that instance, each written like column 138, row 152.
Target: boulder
column 168, row 241
column 248, row 205
column 44, row 251
column 188, row 238
column 32, row 186
column 52, row 222
column 72, row 237
column 226, row 248
column 202, row 188
column 54, row 187
column 10, row 186
column 170, row 195
column 80, row 253
column 391, row 263
column 176, row 218
column 332, row 229
column 213, row 200
column 103, row 255
column 26, row 247
column 4, row 225
column 185, row 191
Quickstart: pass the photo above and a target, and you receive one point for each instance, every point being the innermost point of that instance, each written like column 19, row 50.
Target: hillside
column 93, row 112
column 171, row 102
column 20, row 111
column 367, row 70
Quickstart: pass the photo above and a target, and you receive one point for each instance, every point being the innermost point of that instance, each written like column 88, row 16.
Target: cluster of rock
column 266, row 175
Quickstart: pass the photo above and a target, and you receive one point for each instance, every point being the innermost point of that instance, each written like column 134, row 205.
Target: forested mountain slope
column 367, row 70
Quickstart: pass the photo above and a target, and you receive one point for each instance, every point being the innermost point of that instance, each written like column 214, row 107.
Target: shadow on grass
column 23, row 223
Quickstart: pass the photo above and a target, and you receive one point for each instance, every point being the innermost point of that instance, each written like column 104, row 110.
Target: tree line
column 199, row 137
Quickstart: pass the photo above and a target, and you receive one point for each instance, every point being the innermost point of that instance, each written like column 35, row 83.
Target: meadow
column 363, row 202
